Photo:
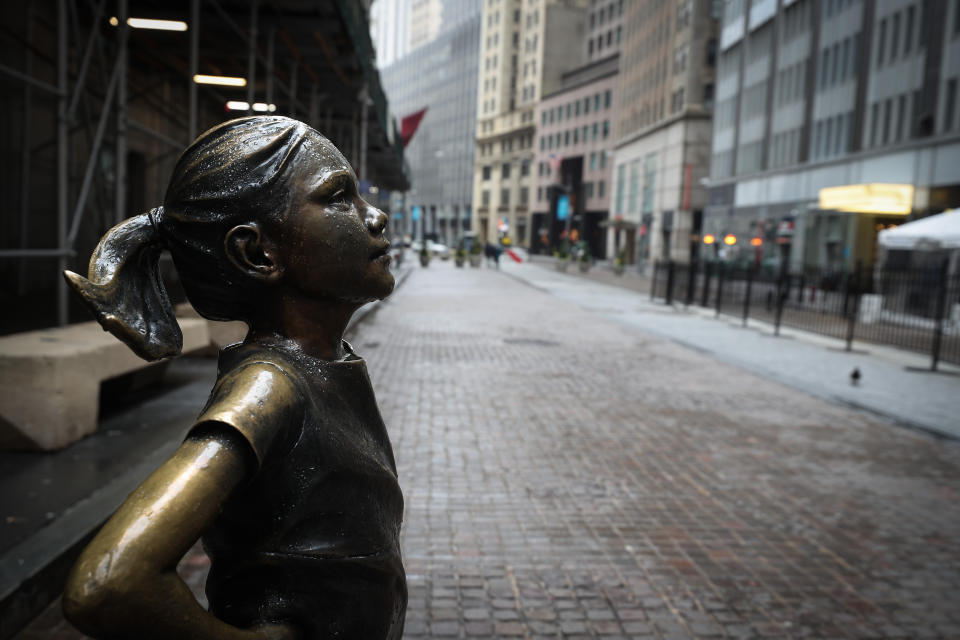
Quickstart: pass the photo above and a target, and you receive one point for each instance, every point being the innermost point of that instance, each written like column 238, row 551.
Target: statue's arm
column 125, row 584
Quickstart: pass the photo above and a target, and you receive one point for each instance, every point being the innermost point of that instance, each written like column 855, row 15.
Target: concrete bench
column 50, row 380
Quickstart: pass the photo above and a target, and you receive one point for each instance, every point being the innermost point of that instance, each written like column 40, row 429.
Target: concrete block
column 50, row 380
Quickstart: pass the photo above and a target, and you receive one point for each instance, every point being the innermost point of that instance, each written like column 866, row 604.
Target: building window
column 588, row 189
column 575, row 135
column 539, row 194
column 607, row 99
column 566, row 138
column 596, row 102
column 881, row 42
column 524, row 195
column 505, row 170
column 525, row 168
column 596, row 128
column 887, row 108
column 593, row 160
column 600, row 188
column 586, row 105
column 606, row 125
column 485, row 197
column 894, row 36
column 603, row 160
column 908, row 33
column 504, row 197
column 901, row 115
column 486, row 172
column 951, row 101
column 874, row 119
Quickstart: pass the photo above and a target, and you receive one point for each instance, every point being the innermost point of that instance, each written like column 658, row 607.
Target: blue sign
column 563, row 207
column 415, row 212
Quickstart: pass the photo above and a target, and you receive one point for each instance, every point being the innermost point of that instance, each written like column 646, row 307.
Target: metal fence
column 916, row 309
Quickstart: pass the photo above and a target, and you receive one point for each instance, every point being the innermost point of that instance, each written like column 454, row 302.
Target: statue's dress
column 313, row 537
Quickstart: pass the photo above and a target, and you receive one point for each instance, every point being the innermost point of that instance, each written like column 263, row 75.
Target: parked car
column 438, row 250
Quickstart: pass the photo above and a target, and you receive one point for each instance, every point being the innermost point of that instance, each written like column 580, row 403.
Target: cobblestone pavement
column 569, row 476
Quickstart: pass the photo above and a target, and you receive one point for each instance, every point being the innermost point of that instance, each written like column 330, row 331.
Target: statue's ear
column 253, row 253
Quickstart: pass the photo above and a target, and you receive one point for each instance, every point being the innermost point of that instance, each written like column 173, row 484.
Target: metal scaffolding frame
column 318, row 55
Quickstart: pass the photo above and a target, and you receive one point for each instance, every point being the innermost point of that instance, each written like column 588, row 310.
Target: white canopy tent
column 941, row 231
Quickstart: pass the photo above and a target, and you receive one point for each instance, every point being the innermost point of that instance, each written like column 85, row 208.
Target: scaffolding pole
column 270, row 40
column 364, row 107
column 252, row 61
column 25, row 154
column 194, row 66
column 120, row 194
column 63, row 133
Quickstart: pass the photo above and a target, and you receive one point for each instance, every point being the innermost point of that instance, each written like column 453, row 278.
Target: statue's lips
column 381, row 252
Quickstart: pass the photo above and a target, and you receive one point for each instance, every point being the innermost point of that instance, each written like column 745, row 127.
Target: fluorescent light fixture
column 162, row 25
column 238, row 105
column 148, row 23
column 263, row 106
column 226, row 81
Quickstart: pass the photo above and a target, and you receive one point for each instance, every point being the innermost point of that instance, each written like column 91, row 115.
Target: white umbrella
column 941, row 231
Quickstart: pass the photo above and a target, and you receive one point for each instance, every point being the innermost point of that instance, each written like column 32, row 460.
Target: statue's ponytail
column 124, row 290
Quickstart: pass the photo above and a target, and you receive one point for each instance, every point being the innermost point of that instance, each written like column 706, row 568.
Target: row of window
column 588, row 190
column 607, row 13
column 834, row 7
column 505, row 169
column 902, row 25
column 573, row 109
column 505, row 197
column 633, row 196
column 785, row 148
column 795, row 20
column 838, row 62
column 506, row 145
column 790, row 83
column 888, row 120
column 599, row 40
column 831, row 136
column 575, row 136
column 596, row 159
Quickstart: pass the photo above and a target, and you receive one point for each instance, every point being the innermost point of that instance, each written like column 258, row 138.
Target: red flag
column 409, row 124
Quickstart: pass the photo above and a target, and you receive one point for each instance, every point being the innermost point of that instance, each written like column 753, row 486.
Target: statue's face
column 333, row 244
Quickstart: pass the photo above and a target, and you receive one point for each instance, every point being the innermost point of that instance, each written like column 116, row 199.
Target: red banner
column 409, row 125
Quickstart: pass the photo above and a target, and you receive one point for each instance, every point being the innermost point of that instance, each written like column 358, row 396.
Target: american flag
column 554, row 161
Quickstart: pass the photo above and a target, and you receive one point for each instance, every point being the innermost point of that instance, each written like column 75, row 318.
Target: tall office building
column 425, row 20
column 575, row 140
column 441, row 154
column 665, row 89
column 834, row 119
column 525, row 47
column 390, row 30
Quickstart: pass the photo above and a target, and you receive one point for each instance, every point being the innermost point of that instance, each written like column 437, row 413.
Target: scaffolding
column 98, row 111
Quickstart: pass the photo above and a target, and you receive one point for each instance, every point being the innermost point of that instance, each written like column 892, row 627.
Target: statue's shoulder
column 258, row 393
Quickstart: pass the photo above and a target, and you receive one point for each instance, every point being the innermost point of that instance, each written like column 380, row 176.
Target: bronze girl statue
column 288, row 473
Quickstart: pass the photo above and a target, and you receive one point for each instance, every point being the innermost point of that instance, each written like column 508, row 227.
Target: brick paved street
column 570, row 476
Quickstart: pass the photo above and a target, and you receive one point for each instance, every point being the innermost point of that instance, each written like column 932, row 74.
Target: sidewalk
column 809, row 362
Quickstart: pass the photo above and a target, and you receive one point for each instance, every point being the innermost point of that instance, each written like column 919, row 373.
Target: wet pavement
column 568, row 474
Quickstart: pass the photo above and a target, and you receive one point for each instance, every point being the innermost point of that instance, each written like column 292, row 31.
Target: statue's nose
column 376, row 221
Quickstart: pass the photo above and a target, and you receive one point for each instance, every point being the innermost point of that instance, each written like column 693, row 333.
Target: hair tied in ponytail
column 124, row 290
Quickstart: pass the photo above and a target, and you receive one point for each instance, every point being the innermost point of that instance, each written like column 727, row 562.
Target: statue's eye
column 340, row 195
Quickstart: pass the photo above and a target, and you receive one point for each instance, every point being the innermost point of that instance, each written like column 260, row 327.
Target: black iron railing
column 916, row 309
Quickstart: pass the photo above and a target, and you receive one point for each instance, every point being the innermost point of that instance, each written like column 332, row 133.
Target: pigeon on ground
column 855, row 376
